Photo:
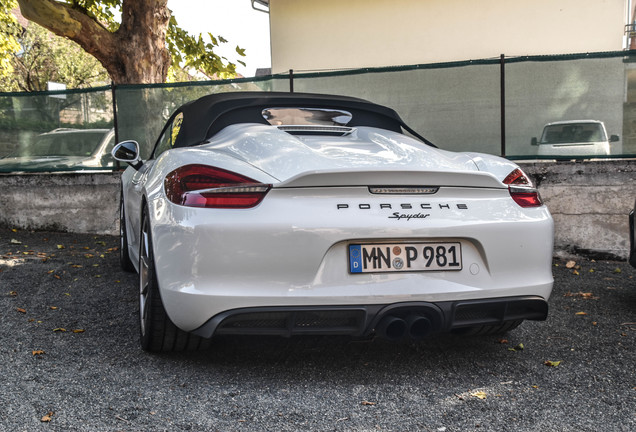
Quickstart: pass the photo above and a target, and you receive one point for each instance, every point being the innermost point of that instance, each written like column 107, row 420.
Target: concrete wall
column 69, row 202
column 336, row 34
column 588, row 200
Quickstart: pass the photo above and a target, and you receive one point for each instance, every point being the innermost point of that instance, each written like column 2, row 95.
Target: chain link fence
column 578, row 106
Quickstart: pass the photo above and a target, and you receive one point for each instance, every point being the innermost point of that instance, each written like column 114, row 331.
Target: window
column 169, row 135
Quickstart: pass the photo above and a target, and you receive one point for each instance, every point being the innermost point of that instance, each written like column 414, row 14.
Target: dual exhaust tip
column 414, row 326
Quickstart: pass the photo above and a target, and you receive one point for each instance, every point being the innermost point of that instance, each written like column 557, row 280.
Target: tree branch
column 63, row 20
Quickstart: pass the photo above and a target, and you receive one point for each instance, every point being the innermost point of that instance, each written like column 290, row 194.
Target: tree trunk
column 134, row 54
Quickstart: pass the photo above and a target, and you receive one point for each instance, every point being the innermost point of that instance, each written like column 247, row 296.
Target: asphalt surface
column 70, row 361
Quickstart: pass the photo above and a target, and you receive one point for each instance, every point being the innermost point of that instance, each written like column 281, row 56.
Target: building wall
column 335, row 34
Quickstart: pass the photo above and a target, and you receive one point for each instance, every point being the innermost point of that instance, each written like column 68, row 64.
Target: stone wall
column 589, row 201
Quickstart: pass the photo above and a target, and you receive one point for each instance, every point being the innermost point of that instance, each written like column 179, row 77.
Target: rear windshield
column 573, row 133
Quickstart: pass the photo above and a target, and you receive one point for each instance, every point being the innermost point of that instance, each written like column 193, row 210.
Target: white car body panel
column 296, row 253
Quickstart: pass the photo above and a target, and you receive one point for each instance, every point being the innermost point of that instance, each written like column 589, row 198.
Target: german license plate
column 404, row 257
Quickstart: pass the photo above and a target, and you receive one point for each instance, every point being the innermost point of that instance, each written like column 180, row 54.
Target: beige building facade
column 315, row 35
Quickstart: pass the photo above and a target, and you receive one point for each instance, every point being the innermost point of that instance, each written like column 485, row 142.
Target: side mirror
column 533, row 141
column 614, row 138
column 127, row 151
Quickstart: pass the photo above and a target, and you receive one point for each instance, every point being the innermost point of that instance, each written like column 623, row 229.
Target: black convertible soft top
column 206, row 116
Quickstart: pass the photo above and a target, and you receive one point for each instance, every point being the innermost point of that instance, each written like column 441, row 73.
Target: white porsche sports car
column 287, row 213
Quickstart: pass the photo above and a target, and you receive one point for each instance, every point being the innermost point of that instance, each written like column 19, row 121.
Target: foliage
column 9, row 32
column 194, row 54
column 191, row 52
column 46, row 57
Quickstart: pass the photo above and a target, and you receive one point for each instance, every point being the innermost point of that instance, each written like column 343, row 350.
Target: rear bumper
column 364, row 320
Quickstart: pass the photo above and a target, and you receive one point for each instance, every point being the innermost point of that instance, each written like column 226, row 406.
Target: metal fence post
column 117, row 165
column 291, row 80
column 502, row 84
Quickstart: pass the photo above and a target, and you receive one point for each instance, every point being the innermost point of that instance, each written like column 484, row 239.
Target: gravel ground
column 70, row 361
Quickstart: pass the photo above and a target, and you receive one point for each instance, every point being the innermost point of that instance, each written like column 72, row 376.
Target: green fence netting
column 495, row 106
column 56, row 131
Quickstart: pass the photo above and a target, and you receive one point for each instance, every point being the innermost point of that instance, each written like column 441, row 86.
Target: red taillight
column 205, row 186
column 525, row 197
column 521, row 189
column 517, row 177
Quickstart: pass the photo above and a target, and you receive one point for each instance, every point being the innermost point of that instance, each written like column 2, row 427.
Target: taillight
column 517, row 177
column 525, row 197
column 521, row 189
column 206, row 186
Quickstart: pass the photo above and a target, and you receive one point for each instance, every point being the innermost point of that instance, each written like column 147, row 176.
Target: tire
column 157, row 332
column 486, row 330
column 124, row 257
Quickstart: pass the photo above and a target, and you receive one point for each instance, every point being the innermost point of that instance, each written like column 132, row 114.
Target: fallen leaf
column 368, row 403
column 503, row 341
column 47, row 418
column 78, row 331
column 14, row 241
column 38, row 352
column 103, row 243
column 551, row 363
column 570, row 264
column 53, row 307
column 479, row 395
column 13, row 293
column 21, row 310
column 581, row 313
column 575, row 272
column 586, row 296
column 519, row 347
column 59, row 329
column 60, row 246
column 617, row 270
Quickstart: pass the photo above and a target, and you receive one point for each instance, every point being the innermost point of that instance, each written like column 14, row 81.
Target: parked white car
column 288, row 213
column 574, row 138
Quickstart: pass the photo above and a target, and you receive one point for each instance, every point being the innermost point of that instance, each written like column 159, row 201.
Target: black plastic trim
column 361, row 320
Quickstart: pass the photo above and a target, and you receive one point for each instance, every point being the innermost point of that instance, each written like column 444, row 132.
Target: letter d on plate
column 355, row 259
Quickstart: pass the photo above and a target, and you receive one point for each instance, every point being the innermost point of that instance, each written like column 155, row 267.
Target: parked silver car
column 574, row 138
column 63, row 149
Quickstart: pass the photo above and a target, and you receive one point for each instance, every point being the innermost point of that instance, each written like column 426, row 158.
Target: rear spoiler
column 334, row 178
